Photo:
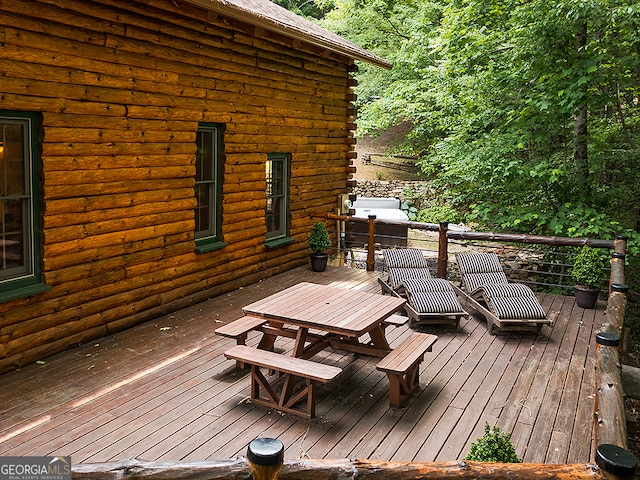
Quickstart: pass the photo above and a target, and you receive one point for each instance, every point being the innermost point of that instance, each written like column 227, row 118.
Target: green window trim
column 24, row 277
column 279, row 242
column 208, row 188
column 277, row 209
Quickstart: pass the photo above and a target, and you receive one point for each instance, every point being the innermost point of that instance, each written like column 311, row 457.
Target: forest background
column 523, row 114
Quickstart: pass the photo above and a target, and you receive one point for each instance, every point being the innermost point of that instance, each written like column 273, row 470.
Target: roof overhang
column 270, row 16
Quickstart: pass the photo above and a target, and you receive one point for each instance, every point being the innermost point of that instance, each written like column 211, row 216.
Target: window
column 208, row 212
column 19, row 233
column 277, row 210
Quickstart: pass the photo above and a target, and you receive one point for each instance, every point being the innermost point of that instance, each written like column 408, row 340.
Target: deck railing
column 613, row 460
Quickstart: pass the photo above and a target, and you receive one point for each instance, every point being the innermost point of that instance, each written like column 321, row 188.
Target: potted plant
column 587, row 275
column 319, row 242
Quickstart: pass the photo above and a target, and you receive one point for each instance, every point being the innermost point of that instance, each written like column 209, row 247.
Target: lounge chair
column 506, row 306
column 429, row 300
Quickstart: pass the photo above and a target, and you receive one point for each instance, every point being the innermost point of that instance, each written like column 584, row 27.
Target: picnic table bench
column 402, row 366
column 239, row 328
column 292, row 368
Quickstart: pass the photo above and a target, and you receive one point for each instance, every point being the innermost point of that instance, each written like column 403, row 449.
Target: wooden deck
column 164, row 391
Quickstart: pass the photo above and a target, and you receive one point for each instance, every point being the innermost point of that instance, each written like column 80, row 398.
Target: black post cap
column 616, row 460
column 266, row 452
column 608, row 339
column 619, row 287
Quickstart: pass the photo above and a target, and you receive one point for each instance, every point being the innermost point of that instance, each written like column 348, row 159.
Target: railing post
column 371, row 244
column 611, row 426
column 265, row 457
column 443, row 250
column 617, row 260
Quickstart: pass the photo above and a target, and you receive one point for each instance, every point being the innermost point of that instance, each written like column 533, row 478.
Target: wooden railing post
column 371, row 244
column 443, row 250
column 618, row 259
column 611, row 425
column 265, row 457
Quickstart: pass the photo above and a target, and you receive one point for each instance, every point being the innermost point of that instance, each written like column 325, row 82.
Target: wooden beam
column 341, row 469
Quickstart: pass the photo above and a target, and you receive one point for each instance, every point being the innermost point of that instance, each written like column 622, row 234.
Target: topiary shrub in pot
column 587, row 275
column 319, row 241
column 493, row 446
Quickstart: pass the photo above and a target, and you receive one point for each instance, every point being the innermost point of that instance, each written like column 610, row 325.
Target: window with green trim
column 20, row 268
column 208, row 211
column 277, row 209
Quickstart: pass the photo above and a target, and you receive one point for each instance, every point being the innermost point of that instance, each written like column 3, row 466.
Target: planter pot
column 319, row 262
column 586, row 297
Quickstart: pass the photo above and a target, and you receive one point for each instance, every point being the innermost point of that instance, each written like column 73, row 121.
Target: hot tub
column 387, row 209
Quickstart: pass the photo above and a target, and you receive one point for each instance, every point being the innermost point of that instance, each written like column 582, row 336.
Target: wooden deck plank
column 404, row 440
column 475, row 413
column 557, row 383
column 469, row 403
column 163, row 391
column 436, row 375
column 582, row 426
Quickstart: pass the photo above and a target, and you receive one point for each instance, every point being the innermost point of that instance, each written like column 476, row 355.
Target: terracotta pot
column 319, row 262
column 586, row 297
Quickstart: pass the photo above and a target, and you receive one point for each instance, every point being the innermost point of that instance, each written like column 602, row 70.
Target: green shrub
column 493, row 446
column 437, row 214
column 587, row 267
column 319, row 239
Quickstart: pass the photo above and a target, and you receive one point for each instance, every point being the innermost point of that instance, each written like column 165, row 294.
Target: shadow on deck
column 164, row 391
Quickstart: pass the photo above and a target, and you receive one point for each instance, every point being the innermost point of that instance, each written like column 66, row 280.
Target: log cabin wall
column 120, row 87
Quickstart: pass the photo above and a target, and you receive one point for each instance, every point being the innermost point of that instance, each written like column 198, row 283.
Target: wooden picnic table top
column 332, row 309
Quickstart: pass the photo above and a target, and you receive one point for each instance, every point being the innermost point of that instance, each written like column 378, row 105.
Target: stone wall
column 390, row 188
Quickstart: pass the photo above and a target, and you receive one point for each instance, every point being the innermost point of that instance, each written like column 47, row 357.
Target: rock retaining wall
column 392, row 189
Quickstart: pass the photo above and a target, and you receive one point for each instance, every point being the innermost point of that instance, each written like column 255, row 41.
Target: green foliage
column 319, row 240
column 437, row 214
column 493, row 446
column 587, row 267
column 410, row 210
column 491, row 90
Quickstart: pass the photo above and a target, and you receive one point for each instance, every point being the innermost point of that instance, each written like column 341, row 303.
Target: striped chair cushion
column 478, row 263
column 513, row 301
column 404, row 258
column 398, row 275
column 434, row 302
column 508, row 290
column 522, row 308
column 473, row 281
column 432, row 296
column 427, row 285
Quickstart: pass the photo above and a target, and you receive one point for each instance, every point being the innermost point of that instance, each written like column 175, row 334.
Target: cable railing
column 542, row 262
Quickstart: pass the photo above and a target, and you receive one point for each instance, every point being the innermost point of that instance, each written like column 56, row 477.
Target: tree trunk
column 580, row 157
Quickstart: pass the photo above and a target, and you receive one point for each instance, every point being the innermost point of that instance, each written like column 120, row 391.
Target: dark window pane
column 207, row 167
column 277, row 185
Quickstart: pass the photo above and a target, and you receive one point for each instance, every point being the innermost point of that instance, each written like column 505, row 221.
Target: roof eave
column 346, row 49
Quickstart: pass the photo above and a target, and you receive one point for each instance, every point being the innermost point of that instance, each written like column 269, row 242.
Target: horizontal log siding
column 121, row 86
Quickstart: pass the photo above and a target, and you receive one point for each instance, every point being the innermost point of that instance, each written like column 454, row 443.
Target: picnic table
column 337, row 317
column 318, row 317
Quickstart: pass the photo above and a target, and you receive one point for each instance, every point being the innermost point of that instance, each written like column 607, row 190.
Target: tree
column 526, row 114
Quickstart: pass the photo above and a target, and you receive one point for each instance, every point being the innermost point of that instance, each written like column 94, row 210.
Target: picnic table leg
column 378, row 338
column 268, row 341
column 301, row 339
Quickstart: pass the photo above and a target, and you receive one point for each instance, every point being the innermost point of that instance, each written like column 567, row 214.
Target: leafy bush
column 437, row 214
column 410, row 210
column 587, row 267
column 493, row 446
column 319, row 238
